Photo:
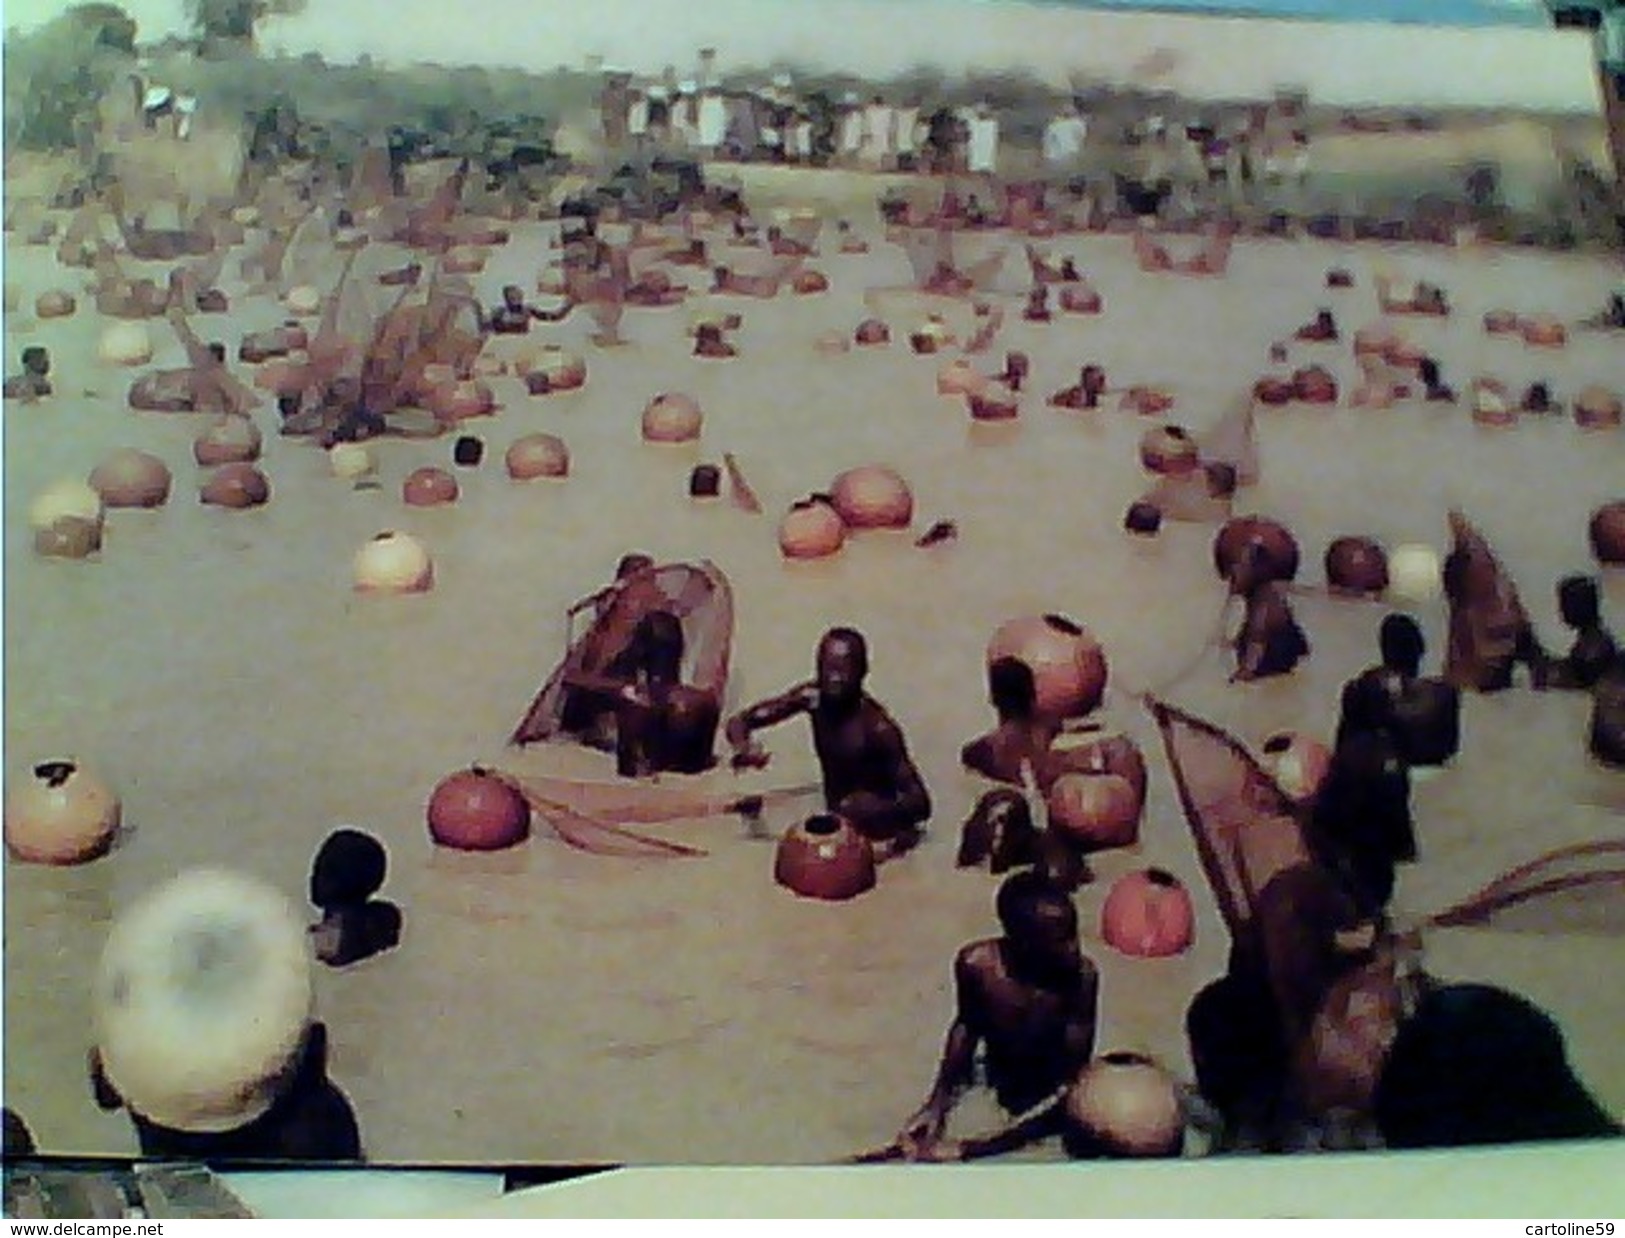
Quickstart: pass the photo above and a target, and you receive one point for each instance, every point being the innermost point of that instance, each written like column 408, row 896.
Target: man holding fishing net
column 625, row 688
column 1029, row 999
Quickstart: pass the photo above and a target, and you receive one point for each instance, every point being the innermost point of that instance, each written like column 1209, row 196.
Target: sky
column 1372, row 63
column 424, row 27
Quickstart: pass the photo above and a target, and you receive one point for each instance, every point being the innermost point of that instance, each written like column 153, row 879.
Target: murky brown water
column 548, row 1005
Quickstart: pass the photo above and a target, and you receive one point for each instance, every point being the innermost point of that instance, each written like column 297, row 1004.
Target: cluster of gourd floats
column 66, row 819
column 62, row 815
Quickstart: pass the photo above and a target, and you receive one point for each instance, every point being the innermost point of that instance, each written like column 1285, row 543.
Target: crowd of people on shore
column 912, row 131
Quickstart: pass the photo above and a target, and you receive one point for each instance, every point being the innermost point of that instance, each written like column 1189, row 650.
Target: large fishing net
column 697, row 594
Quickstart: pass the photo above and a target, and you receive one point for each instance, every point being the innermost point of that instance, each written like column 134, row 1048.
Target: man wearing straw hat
column 204, row 1031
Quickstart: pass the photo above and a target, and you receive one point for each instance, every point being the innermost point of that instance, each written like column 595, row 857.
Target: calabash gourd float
column 126, row 343
column 537, row 455
column 236, row 486
column 392, row 562
column 1357, row 565
column 476, row 809
column 811, row 529
column 60, row 814
column 1097, row 812
column 1606, row 532
column 349, row 460
column 1597, row 408
column 54, row 303
column 873, row 496
column 672, row 417
column 131, row 478
column 1271, row 539
column 227, row 440
column 1068, row 665
column 429, row 487
column 1298, row 763
column 826, row 858
column 1124, row 1104
column 1415, row 574
column 1148, row 914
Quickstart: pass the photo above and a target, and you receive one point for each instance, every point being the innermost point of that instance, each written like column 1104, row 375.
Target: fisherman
column 1423, row 713
column 869, row 777
column 347, row 872
column 34, row 382
column 1024, row 739
column 1085, row 393
column 1362, row 811
column 1029, row 998
column 1270, row 642
column 310, row 1121
column 1594, row 650
column 513, row 316
column 1064, row 137
column 661, row 723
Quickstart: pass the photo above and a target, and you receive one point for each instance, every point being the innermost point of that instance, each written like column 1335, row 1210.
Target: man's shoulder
column 878, row 715
column 978, row 957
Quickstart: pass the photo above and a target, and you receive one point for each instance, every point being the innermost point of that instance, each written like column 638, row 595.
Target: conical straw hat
column 202, row 999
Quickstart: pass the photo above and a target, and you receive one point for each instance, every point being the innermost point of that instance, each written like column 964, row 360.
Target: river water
column 549, row 1005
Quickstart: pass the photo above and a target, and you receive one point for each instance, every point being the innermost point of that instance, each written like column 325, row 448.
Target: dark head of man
column 1040, row 928
column 1402, row 645
column 349, row 869
column 659, row 642
column 631, row 564
column 1012, row 689
column 1578, row 602
column 843, row 661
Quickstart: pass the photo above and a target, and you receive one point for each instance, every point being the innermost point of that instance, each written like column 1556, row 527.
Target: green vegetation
column 56, row 76
column 231, row 24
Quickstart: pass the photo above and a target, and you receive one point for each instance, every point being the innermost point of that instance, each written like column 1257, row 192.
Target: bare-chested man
column 1594, row 650
column 1024, row 739
column 1086, row 393
column 766, row 286
column 34, row 383
column 1270, row 641
column 661, row 723
column 869, row 777
column 513, row 316
column 1212, row 259
column 1029, row 998
column 1044, row 273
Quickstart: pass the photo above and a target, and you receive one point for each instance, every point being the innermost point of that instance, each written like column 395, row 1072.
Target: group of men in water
column 1028, row 998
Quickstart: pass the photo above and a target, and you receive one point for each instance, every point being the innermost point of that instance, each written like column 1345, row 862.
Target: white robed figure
column 850, row 134
column 1064, row 137
column 879, row 134
column 713, row 119
column 983, row 156
column 799, row 145
column 685, row 114
column 637, row 118
column 908, row 130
